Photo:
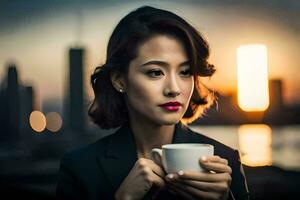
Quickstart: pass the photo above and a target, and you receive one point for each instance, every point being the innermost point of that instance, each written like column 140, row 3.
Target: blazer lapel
column 120, row 156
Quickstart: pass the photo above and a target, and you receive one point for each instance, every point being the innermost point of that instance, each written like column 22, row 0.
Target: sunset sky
column 36, row 35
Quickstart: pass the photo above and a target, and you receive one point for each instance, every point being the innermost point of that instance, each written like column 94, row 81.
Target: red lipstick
column 171, row 106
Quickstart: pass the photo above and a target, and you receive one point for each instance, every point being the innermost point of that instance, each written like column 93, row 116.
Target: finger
column 201, row 176
column 156, row 168
column 195, row 193
column 216, row 167
column 173, row 189
column 152, row 173
column 213, row 159
column 156, row 159
column 143, row 162
column 157, row 181
column 205, row 186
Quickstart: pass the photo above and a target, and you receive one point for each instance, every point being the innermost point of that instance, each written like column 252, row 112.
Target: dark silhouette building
column 10, row 105
column 275, row 114
column 16, row 104
column 75, row 105
column 225, row 111
column 276, row 98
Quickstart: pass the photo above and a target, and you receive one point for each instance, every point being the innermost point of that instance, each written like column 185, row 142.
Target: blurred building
column 276, row 97
column 16, row 104
column 74, row 106
column 227, row 111
column 275, row 113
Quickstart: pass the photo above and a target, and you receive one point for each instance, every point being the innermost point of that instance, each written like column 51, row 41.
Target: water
column 259, row 144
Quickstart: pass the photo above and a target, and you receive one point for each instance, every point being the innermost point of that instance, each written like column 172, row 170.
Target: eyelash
column 151, row 73
column 188, row 71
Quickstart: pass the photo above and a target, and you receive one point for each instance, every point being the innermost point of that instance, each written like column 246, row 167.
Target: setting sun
column 252, row 76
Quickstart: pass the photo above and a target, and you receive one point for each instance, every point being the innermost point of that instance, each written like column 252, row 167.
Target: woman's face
column 159, row 84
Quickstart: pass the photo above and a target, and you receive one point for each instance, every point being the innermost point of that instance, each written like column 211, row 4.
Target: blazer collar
column 121, row 153
column 122, row 144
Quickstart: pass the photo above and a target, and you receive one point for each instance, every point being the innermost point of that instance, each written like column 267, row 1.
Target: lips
column 171, row 106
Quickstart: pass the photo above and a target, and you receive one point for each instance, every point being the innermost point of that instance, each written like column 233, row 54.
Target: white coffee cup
column 184, row 156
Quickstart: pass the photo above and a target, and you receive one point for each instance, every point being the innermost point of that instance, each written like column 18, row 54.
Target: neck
column 148, row 136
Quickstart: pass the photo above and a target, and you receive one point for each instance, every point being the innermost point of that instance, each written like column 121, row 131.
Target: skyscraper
column 13, row 102
column 10, row 106
column 16, row 104
column 75, row 92
column 276, row 98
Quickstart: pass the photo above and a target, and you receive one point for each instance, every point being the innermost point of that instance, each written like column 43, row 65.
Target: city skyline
column 21, row 104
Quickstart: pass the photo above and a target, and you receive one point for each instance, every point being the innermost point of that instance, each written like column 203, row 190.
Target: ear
column 118, row 81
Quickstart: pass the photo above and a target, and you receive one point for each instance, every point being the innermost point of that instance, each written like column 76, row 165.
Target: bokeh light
column 37, row 121
column 252, row 72
column 54, row 121
column 255, row 142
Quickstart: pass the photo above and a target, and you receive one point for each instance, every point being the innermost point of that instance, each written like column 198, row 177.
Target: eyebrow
column 164, row 64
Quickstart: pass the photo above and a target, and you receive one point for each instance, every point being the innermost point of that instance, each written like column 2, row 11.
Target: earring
column 121, row 90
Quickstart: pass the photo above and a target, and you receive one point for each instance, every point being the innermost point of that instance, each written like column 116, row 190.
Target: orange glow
column 255, row 144
column 54, row 121
column 37, row 121
column 252, row 75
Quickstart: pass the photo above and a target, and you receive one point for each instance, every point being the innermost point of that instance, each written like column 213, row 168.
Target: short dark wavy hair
column 108, row 109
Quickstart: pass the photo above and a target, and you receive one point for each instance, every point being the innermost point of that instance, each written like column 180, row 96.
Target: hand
column 141, row 178
column 213, row 184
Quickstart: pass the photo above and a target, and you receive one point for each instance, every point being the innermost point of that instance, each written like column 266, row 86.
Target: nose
column 172, row 88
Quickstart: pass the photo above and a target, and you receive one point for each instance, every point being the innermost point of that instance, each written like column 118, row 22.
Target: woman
column 149, row 86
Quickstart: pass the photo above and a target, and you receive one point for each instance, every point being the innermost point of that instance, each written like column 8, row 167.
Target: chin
column 169, row 121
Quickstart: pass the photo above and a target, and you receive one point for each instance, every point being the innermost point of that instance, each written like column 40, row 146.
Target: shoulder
column 80, row 172
column 87, row 153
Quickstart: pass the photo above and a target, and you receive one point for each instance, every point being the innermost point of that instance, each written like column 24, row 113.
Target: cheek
column 187, row 89
column 141, row 91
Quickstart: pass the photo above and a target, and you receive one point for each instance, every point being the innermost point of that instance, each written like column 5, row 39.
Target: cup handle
column 156, row 156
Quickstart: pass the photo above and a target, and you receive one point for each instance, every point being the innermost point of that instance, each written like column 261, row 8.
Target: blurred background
column 48, row 50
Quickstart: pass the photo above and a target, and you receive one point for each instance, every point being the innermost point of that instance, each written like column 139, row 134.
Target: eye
column 154, row 73
column 186, row 73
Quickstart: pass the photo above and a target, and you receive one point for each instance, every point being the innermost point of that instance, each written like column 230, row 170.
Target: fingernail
column 170, row 176
column 180, row 173
column 204, row 159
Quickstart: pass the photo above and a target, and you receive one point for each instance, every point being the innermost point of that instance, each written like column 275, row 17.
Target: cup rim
column 186, row 146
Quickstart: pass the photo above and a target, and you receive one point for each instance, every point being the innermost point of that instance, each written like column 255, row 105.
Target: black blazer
column 97, row 170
